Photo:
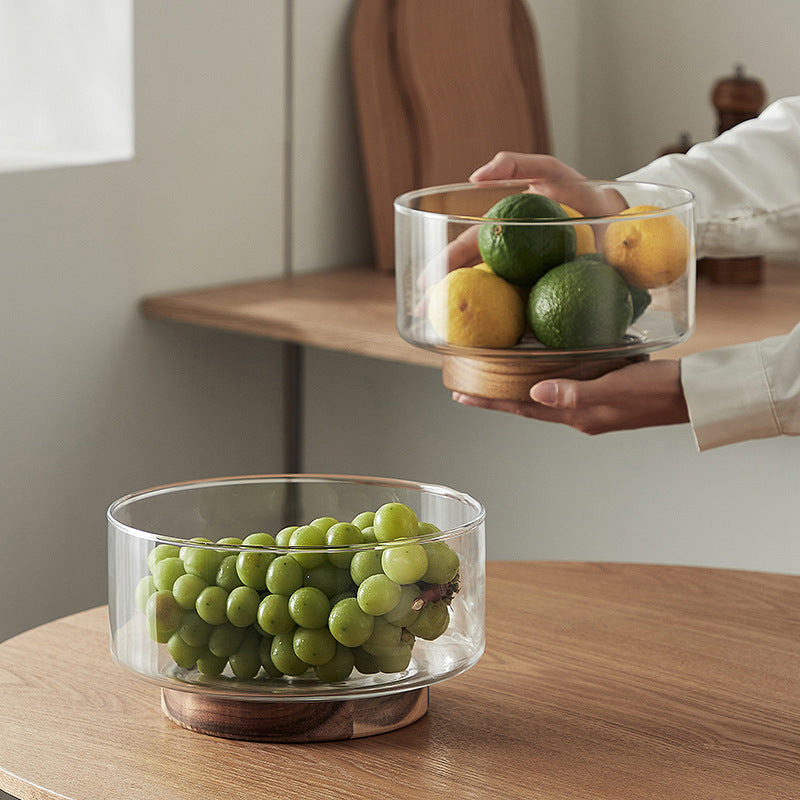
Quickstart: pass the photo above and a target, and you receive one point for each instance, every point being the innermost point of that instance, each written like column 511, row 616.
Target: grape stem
column 433, row 592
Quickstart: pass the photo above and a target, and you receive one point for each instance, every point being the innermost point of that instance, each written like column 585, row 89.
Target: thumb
column 564, row 393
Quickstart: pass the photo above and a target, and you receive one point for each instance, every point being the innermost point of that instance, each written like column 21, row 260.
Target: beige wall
column 97, row 402
column 648, row 68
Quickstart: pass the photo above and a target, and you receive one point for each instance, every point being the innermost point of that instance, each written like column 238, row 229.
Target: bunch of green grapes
column 273, row 614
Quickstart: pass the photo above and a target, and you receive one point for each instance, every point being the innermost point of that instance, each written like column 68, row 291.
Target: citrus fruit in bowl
column 513, row 251
column 602, row 271
column 582, row 303
column 475, row 307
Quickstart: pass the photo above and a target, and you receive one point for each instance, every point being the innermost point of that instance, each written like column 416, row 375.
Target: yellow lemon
column 648, row 252
column 473, row 307
column 584, row 234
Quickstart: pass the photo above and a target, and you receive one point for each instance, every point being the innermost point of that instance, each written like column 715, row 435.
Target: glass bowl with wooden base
column 296, row 608
column 515, row 281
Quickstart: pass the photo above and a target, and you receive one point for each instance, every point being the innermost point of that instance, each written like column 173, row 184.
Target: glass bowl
column 641, row 235
column 195, row 606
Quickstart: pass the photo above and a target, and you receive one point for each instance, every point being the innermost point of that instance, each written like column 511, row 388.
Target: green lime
column 641, row 299
column 583, row 303
column 523, row 253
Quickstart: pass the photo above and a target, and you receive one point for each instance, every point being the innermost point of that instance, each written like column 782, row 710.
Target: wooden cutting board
column 440, row 86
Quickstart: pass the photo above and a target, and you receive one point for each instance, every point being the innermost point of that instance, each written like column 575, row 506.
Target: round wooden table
column 599, row 681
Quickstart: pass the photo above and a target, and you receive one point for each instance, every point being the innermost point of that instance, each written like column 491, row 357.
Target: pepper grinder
column 736, row 98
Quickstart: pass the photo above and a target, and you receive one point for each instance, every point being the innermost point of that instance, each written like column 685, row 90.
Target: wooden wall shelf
column 352, row 310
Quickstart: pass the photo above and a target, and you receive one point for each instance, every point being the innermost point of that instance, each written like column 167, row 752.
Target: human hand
column 553, row 178
column 641, row 395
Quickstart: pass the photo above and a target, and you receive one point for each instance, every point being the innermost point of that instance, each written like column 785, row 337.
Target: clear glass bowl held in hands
column 226, row 587
column 570, row 274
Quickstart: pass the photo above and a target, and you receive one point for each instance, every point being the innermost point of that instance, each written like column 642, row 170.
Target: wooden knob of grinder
column 737, row 98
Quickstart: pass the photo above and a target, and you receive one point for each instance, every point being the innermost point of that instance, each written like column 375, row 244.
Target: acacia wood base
column 512, row 378
column 315, row 721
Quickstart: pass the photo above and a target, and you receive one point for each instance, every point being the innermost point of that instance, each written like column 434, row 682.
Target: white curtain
column 66, row 82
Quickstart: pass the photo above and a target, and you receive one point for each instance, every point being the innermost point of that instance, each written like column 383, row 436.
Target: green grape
column 328, row 579
column 351, row 592
column 284, row 534
column 184, row 655
column 163, row 615
column 166, row 572
column 242, row 606
column 348, row 624
column 314, row 646
column 405, row 563
column 273, row 614
column 378, row 594
column 338, row 668
column 211, row 605
column 364, row 564
column 369, row 535
column 245, row 662
column 251, row 567
column 225, row 639
column 186, row 589
column 264, row 655
column 432, row 621
column 395, row 521
column 308, row 536
column 184, row 551
column 342, row 534
column 427, row 528
column 403, row 614
column 395, row 660
column 443, row 563
column 364, row 662
column 211, row 665
column 283, row 656
column 284, row 575
column 309, row 607
column 385, row 636
column 227, row 575
column 202, row 562
column 193, row 630
column 230, row 540
column 323, row 523
column 144, row 589
column 159, row 552
column 260, row 540
column 364, row 519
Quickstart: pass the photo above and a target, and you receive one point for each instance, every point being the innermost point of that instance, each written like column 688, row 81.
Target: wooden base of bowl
column 315, row 721
column 512, row 378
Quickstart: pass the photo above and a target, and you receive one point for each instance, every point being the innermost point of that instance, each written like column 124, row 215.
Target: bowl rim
column 292, row 478
column 402, row 203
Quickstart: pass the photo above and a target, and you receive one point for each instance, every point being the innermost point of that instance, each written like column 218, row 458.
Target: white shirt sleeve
column 746, row 184
column 747, row 188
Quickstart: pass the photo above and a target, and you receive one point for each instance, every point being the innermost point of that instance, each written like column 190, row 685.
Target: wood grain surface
column 353, row 310
column 439, row 89
column 601, row 681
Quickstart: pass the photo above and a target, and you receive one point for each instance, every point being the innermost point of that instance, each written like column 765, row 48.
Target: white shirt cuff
column 728, row 396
